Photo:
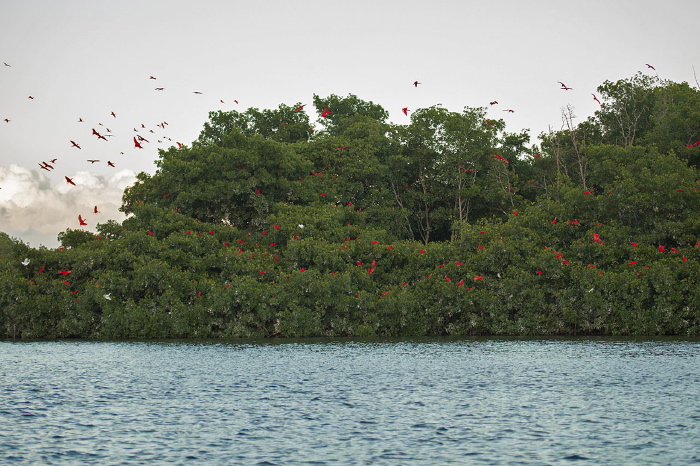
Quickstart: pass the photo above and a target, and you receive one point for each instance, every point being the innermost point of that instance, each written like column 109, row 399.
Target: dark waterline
column 379, row 401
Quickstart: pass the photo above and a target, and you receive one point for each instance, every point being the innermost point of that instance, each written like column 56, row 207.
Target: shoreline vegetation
column 270, row 225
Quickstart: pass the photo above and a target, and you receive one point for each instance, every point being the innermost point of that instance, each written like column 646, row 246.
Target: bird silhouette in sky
column 93, row 160
column 82, row 221
column 565, row 87
column 649, row 66
column 110, row 164
column 493, row 102
column 405, row 111
column 69, row 180
column 75, row 144
column 137, row 144
column 99, row 136
column 416, row 83
column 95, row 211
column 596, row 99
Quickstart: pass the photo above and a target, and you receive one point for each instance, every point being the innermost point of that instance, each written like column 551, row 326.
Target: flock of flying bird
column 139, row 140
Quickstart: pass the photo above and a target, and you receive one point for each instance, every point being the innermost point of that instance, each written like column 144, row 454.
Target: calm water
column 343, row 402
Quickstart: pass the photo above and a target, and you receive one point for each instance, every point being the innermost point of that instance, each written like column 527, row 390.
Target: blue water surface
column 422, row 401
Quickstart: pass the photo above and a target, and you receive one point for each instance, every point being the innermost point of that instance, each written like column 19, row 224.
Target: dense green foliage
column 270, row 225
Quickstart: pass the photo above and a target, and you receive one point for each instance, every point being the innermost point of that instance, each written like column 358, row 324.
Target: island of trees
column 271, row 225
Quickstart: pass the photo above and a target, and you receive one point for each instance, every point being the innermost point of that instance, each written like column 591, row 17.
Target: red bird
column 649, row 66
column 493, row 102
column 93, row 161
column 75, row 144
column 95, row 211
column 99, row 136
column 137, row 144
column 596, row 99
column 6, row 120
column 110, row 164
column 69, row 181
column 565, row 87
column 82, row 222
column 114, row 115
column 64, row 272
column 596, row 237
column 405, row 111
column 500, row 157
column 325, row 113
column 299, row 108
column 416, row 83
column 509, row 110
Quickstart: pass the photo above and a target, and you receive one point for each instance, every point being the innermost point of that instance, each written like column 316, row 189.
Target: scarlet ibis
column 82, row 221
column 137, row 144
column 75, row 144
column 300, row 107
column 565, row 87
column 649, row 66
column 405, row 111
column 69, row 181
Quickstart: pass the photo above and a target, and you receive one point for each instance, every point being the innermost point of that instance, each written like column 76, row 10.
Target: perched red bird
column 500, row 157
column 82, row 222
column 300, row 107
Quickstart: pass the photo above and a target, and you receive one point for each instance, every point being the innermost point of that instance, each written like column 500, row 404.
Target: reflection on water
column 418, row 401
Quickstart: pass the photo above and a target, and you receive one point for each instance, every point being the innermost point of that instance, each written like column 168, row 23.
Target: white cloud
column 35, row 207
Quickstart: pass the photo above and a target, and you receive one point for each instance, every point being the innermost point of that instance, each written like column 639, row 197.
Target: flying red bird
column 493, row 102
column 110, row 164
column 99, row 136
column 75, row 144
column 160, row 88
column 509, row 110
column 114, row 115
column 500, row 157
column 95, row 211
column 82, row 222
column 93, row 160
column 69, row 180
column 649, row 66
column 300, row 107
column 405, row 111
column 137, row 144
column 565, row 87
column 596, row 99
column 6, row 120
column 416, row 83
column 64, row 272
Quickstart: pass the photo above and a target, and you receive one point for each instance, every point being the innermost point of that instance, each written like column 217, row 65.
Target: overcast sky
column 84, row 59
